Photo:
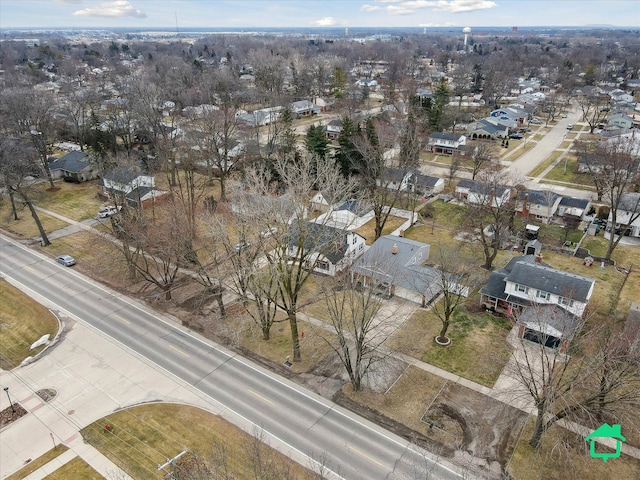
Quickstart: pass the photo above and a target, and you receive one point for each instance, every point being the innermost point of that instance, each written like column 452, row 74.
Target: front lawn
column 478, row 350
column 143, row 437
column 22, row 322
column 78, row 201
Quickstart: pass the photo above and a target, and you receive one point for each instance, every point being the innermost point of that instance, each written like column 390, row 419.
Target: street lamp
column 6, row 389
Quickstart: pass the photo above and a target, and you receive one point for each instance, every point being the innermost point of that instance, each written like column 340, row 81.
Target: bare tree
column 456, row 277
column 593, row 108
column 30, row 115
column 355, row 329
column 483, row 157
column 292, row 257
column 596, row 378
column 382, row 185
column 489, row 215
column 15, row 169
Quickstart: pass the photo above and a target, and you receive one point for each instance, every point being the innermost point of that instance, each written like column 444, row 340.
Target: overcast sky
column 309, row 13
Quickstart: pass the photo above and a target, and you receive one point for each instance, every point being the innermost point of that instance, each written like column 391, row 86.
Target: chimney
column 394, row 249
column 538, row 258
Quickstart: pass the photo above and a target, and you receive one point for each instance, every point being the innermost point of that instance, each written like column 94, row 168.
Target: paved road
column 294, row 418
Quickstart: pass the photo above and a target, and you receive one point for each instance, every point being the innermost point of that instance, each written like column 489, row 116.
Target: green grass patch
column 141, row 438
column 544, row 165
column 478, row 349
column 566, row 171
column 368, row 229
column 78, row 201
column 77, row 469
column 22, row 322
column 38, row 462
column 25, row 226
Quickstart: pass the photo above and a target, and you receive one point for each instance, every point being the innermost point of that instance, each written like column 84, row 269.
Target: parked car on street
column 108, row 211
column 570, row 126
column 516, row 136
column 66, row 260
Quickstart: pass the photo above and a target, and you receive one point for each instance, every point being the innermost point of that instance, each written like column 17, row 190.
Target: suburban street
column 295, row 421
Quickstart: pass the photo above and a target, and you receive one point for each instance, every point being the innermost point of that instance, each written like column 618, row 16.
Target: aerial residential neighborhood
column 348, row 248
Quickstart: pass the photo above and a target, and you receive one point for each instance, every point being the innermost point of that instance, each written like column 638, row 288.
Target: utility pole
column 172, row 462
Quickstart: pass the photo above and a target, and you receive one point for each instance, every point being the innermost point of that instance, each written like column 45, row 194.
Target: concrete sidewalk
column 93, row 377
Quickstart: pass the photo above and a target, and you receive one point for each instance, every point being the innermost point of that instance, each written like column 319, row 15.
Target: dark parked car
column 516, row 136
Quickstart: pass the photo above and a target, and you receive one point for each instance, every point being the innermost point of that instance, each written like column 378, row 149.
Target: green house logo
column 605, row 431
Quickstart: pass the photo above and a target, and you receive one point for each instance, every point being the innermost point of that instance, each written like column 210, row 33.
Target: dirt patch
column 486, row 428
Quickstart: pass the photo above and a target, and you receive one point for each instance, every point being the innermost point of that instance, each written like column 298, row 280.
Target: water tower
column 466, row 31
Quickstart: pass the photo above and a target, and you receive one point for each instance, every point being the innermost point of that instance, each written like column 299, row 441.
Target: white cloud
column 370, row 8
column 325, row 22
column 451, row 6
column 118, row 8
column 457, row 6
column 393, row 10
column 69, row 1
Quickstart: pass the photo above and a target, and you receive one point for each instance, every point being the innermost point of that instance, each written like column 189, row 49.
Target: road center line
column 265, row 399
column 362, row 454
column 179, row 351
column 122, row 319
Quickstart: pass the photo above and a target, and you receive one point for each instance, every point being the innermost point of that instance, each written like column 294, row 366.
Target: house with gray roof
column 446, row 143
column 328, row 250
column 75, row 166
column 526, row 281
column 570, row 207
column 127, row 184
column 482, row 193
column 547, row 304
column 627, row 215
column 487, row 128
column 304, row 108
column 539, row 205
column 395, row 265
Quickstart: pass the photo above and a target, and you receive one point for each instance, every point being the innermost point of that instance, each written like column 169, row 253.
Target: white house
column 481, row 193
column 627, row 215
column 329, row 250
column 446, row 143
column 546, row 302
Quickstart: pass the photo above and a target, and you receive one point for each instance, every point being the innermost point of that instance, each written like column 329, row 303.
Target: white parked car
column 108, row 211
column 268, row 232
column 570, row 126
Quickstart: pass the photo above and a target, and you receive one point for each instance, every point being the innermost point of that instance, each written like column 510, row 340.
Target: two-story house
column 526, row 283
column 395, row 266
column 446, row 143
column 540, row 205
column 127, row 184
column 327, row 250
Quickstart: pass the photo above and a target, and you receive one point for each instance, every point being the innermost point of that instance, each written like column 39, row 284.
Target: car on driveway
column 516, row 136
column 108, row 211
column 238, row 247
column 268, row 232
column 66, row 260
